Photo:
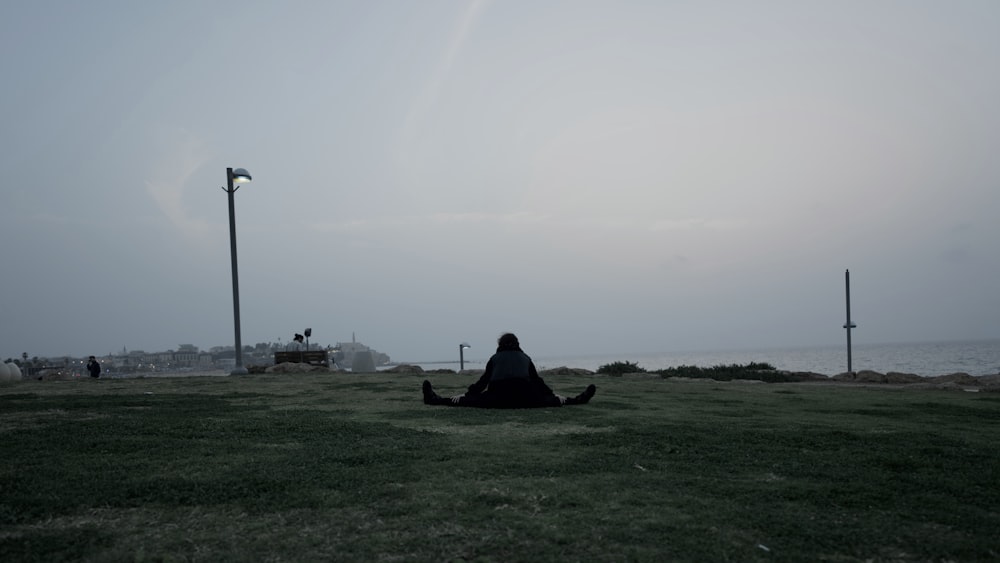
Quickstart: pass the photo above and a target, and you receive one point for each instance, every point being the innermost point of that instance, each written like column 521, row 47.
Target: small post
column 848, row 325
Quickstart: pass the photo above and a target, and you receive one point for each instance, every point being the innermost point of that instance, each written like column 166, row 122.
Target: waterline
column 926, row 359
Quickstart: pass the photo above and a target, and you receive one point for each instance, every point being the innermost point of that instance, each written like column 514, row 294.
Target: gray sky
column 596, row 176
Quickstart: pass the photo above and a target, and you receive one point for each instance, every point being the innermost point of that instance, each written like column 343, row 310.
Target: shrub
column 754, row 370
column 620, row 368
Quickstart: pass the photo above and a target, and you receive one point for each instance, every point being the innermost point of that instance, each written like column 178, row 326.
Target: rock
column 898, row 377
column 990, row 380
column 959, row 378
column 863, row 376
column 869, row 376
column 405, row 368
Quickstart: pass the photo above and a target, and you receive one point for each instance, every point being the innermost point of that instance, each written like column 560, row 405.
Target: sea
column 928, row 359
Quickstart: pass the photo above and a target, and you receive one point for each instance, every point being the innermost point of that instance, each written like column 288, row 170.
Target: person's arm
column 537, row 379
column 540, row 385
column 478, row 387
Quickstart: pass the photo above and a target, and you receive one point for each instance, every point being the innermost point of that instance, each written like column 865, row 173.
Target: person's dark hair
column 508, row 341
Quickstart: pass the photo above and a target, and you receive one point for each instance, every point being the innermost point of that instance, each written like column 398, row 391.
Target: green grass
column 355, row 468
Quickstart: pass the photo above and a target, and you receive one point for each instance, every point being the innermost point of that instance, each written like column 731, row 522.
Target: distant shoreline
column 864, row 378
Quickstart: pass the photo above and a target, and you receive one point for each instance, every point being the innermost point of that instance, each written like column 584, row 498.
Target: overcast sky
column 595, row 176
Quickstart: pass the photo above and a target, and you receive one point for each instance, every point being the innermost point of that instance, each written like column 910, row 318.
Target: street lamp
column 848, row 325
column 461, row 355
column 238, row 176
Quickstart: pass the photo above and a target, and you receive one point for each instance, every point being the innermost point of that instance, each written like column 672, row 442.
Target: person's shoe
column 583, row 398
column 430, row 397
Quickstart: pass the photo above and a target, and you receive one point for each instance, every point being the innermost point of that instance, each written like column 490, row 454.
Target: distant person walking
column 510, row 381
column 94, row 367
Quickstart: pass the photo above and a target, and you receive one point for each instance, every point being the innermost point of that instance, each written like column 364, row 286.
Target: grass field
column 355, row 468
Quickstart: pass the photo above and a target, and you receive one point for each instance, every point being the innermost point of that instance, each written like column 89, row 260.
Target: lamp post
column 238, row 176
column 848, row 325
column 461, row 355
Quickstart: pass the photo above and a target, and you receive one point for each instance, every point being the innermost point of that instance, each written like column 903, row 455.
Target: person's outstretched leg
column 583, row 398
column 432, row 398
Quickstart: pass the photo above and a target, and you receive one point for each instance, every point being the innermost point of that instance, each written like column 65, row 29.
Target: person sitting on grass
column 509, row 382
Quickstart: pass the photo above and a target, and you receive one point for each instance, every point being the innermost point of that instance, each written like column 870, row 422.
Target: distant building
column 189, row 356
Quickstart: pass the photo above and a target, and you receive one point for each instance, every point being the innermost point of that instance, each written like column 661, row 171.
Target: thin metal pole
column 848, row 325
column 239, row 369
column 461, row 357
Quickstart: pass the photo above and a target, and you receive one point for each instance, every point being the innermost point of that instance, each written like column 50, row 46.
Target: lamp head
column 241, row 175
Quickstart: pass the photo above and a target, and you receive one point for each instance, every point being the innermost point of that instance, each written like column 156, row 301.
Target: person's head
column 298, row 337
column 508, row 341
column 93, row 358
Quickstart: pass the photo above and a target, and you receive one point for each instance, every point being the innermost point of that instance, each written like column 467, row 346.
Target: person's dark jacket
column 510, row 379
column 94, row 368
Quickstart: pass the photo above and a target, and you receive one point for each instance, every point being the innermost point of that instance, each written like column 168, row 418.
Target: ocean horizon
column 928, row 359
